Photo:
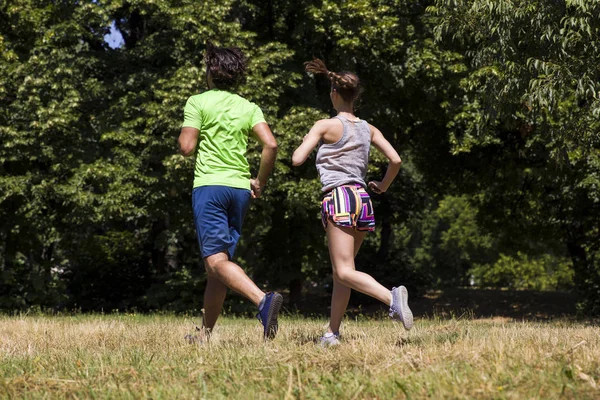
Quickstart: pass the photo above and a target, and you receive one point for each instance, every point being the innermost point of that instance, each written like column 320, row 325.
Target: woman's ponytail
column 345, row 83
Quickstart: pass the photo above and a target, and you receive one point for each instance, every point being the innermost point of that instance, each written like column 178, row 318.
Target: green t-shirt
column 225, row 121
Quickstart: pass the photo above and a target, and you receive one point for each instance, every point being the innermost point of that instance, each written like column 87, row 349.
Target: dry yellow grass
column 133, row 356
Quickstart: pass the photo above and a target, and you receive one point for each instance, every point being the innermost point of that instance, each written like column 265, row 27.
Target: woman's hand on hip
column 377, row 187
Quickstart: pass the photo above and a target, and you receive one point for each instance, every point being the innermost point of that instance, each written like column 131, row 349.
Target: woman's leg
column 341, row 250
column 339, row 303
column 341, row 294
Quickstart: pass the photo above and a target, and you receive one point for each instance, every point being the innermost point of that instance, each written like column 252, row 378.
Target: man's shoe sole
column 272, row 325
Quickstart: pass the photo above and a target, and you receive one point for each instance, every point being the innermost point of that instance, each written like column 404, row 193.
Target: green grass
column 133, row 356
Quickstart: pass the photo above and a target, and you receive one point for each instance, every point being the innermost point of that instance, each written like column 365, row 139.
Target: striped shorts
column 348, row 206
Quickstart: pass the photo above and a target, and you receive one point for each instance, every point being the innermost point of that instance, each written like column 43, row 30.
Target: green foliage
column 528, row 125
column 90, row 180
column 50, row 80
column 523, row 272
column 493, row 105
column 445, row 242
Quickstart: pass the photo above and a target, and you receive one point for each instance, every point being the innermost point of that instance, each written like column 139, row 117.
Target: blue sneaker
column 330, row 339
column 399, row 309
column 267, row 315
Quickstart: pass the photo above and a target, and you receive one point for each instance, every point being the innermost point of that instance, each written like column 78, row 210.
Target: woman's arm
column 309, row 142
column 393, row 167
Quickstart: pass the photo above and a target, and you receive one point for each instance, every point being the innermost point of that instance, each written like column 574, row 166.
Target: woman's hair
column 345, row 83
column 226, row 65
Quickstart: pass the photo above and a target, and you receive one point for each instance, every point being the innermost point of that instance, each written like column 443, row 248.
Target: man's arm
column 188, row 139
column 267, row 160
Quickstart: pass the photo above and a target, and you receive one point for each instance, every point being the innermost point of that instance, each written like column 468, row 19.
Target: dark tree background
column 494, row 106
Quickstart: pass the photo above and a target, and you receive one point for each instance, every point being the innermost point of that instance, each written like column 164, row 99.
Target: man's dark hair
column 227, row 66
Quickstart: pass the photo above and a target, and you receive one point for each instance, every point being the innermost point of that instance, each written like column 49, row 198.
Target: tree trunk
column 296, row 293
column 587, row 275
column 386, row 231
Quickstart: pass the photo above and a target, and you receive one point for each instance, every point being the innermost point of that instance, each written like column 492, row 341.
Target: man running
column 216, row 128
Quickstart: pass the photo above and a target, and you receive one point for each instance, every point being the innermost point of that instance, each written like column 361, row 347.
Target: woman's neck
column 346, row 110
column 349, row 115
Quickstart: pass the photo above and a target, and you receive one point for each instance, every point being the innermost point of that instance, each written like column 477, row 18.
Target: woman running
column 347, row 211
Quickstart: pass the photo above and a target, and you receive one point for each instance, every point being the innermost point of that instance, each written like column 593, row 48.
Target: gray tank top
column 345, row 162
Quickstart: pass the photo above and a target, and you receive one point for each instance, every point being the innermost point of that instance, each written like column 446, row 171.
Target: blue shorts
column 219, row 213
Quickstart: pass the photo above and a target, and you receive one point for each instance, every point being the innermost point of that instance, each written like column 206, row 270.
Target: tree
column 529, row 125
column 493, row 106
column 50, row 91
column 94, row 194
column 389, row 44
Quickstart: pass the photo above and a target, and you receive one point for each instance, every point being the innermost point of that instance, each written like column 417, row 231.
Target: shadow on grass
column 489, row 303
column 459, row 302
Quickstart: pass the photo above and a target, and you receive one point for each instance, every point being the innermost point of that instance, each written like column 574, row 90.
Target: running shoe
column 399, row 309
column 267, row 315
column 330, row 339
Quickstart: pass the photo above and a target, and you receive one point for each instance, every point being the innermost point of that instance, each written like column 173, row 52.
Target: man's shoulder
column 244, row 100
column 216, row 94
column 206, row 99
column 207, row 95
column 204, row 95
column 235, row 96
column 195, row 99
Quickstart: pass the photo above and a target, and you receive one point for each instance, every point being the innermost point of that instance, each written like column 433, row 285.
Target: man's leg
column 231, row 275
column 219, row 213
column 214, row 296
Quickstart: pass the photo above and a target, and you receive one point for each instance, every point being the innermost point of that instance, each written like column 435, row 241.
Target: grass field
column 135, row 356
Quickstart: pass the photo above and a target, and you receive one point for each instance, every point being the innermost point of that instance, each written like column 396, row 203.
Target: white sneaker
column 330, row 339
column 399, row 309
